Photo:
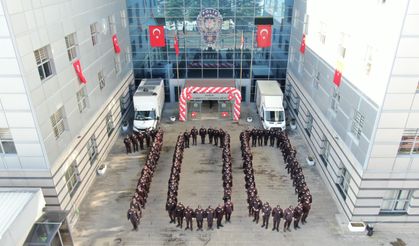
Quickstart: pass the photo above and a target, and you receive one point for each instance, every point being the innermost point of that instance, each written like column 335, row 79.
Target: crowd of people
column 137, row 139
column 298, row 213
column 139, row 199
column 176, row 210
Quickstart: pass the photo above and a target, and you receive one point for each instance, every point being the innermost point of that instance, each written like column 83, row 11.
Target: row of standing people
column 137, row 139
column 139, row 199
column 255, row 204
column 214, row 136
column 177, row 210
column 263, row 137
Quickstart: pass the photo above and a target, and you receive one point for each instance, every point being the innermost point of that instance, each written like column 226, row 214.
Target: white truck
column 269, row 106
column 148, row 104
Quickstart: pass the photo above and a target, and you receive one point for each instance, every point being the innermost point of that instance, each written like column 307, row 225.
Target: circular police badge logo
column 209, row 23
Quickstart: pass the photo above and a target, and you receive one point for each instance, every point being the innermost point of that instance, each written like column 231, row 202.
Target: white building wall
column 30, row 26
column 386, row 97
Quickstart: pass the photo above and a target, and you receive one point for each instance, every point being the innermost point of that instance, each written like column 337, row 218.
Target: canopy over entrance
column 209, row 89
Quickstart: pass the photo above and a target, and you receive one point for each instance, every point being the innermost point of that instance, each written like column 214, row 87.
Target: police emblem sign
column 209, row 23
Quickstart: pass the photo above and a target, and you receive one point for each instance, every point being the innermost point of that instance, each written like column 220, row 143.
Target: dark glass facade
column 222, row 57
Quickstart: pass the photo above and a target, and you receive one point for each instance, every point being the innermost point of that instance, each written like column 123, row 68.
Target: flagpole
column 241, row 60
column 177, row 71
column 251, row 60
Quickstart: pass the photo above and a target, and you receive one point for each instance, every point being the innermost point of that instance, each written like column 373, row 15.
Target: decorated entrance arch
column 233, row 94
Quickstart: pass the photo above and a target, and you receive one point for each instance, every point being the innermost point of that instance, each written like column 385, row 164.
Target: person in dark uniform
column 228, row 210
column 288, row 215
column 222, row 135
column 306, row 210
column 219, row 213
column 298, row 212
column 140, row 139
column 210, row 132
column 127, row 143
column 147, row 138
column 272, row 136
column 254, row 134
column 134, row 215
column 265, row 137
column 257, row 205
column 277, row 214
column 186, row 136
column 194, row 134
column 202, row 133
column 179, row 212
column 188, row 218
column 216, row 135
column 266, row 213
column 209, row 213
column 260, row 137
column 171, row 208
column 134, row 142
column 199, row 215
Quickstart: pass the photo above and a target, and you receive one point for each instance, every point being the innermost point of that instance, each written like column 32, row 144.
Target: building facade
column 64, row 88
column 353, row 91
column 221, row 56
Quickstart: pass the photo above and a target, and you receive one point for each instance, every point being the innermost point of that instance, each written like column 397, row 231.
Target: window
column 117, row 61
column 112, row 26
column 410, row 142
column 128, row 54
column 295, row 18
column 292, row 55
column 92, row 149
column 309, row 124
column 335, row 101
column 57, row 122
column 322, row 33
column 325, row 151
column 101, row 79
column 316, row 78
column 357, row 124
column 7, row 145
column 343, row 182
column 130, row 19
column 305, row 28
column 342, row 45
column 71, row 43
column 72, row 178
column 109, row 123
column 417, row 88
column 123, row 18
column 396, row 201
column 82, row 99
column 368, row 59
column 94, row 33
column 44, row 62
column 300, row 63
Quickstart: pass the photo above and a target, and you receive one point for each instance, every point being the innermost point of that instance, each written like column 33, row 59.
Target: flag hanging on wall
column 176, row 45
column 157, row 38
column 303, row 44
column 79, row 72
column 242, row 41
column 338, row 73
column 264, row 36
column 116, row 44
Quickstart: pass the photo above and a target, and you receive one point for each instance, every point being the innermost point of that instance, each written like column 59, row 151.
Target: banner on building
column 157, row 38
column 176, row 45
column 116, row 44
column 303, row 44
column 264, row 36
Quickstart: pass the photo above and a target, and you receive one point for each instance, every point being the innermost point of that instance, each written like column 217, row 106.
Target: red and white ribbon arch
column 233, row 94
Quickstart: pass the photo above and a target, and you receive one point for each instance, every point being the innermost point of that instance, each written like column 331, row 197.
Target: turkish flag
column 337, row 77
column 157, row 36
column 115, row 44
column 176, row 45
column 264, row 36
column 77, row 67
column 303, row 44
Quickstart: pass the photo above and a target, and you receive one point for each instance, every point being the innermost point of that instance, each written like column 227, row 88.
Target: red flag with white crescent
column 115, row 44
column 264, row 36
column 242, row 41
column 303, row 44
column 157, row 38
column 79, row 72
column 176, row 45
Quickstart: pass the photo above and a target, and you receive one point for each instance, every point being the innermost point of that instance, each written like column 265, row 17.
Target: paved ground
column 103, row 212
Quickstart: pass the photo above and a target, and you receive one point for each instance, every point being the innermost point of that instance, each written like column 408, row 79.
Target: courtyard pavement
column 103, row 219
